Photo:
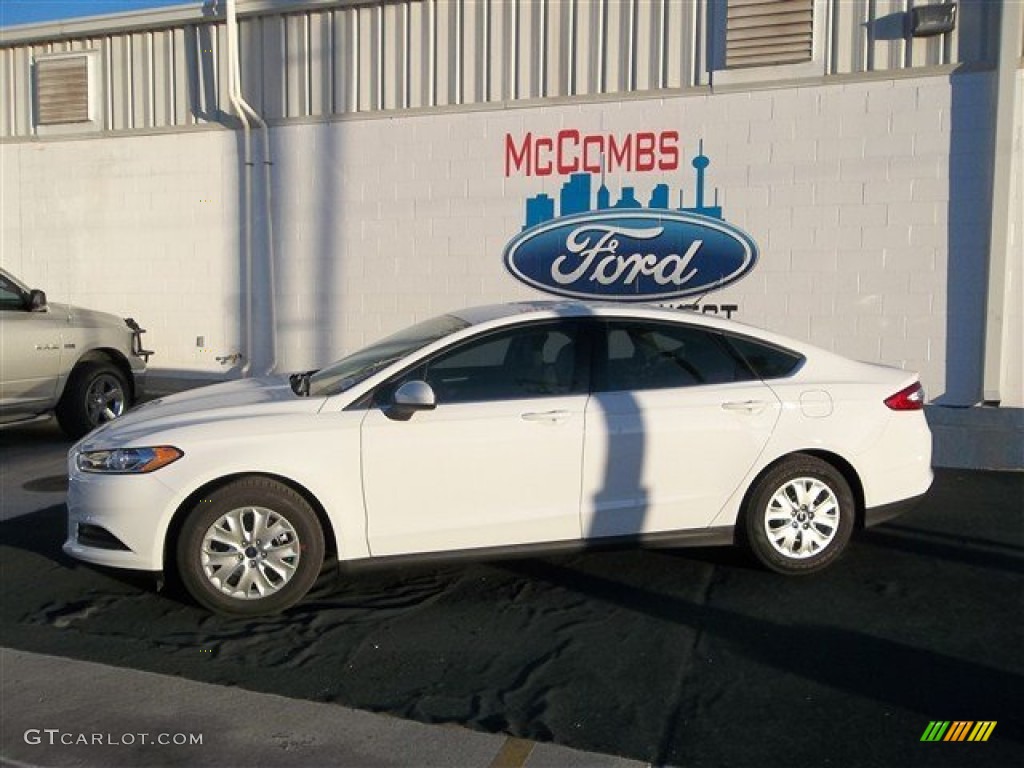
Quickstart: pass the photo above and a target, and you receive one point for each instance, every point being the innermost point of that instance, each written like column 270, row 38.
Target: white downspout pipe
column 246, row 114
column 235, row 97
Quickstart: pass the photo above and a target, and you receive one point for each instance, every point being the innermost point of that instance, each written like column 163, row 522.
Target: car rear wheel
column 252, row 547
column 800, row 516
column 96, row 393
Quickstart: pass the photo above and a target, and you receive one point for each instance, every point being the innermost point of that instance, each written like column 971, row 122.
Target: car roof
column 568, row 308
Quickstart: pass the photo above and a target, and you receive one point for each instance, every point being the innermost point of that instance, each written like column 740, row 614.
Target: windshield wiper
column 300, row 383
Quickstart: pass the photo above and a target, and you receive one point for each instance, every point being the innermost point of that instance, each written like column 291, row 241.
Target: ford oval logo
column 639, row 256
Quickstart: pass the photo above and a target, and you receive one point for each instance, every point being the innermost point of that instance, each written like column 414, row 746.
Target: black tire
column 794, row 535
column 79, row 411
column 271, row 575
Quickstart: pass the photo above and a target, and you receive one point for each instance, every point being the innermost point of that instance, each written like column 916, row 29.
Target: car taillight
column 909, row 399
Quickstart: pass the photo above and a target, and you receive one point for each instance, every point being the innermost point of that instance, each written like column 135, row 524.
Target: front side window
column 640, row 356
column 11, row 296
column 535, row 361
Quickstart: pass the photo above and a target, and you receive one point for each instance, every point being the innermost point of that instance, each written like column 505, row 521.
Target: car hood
column 217, row 403
column 85, row 318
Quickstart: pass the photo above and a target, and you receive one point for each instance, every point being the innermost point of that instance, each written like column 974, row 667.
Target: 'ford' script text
column 595, row 250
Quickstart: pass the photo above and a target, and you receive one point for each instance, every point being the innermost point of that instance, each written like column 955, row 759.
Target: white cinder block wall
column 845, row 187
column 142, row 226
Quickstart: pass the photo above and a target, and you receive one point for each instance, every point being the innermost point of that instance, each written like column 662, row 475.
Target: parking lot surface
column 676, row 657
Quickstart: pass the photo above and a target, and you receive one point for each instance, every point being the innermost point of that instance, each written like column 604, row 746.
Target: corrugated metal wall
column 869, row 36
column 411, row 54
column 430, row 53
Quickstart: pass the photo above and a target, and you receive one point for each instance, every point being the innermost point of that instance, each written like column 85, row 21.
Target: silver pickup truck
column 85, row 366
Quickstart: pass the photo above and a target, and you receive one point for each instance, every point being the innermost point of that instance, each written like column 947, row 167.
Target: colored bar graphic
column 935, row 731
column 982, row 730
column 958, row 730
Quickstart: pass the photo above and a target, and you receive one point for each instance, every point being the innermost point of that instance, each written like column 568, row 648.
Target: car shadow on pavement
column 946, row 547
column 42, row 534
column 49, row 484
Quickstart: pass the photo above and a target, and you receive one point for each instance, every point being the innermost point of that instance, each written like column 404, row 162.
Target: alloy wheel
column 250, row 553
column 802, row 518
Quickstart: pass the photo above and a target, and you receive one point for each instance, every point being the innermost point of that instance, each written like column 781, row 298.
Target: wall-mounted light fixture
column 929, row 20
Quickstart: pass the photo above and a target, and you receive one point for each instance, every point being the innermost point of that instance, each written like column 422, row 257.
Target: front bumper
column 137, row 348
column 117, row 520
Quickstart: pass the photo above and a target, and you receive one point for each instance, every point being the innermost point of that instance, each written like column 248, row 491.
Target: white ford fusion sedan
column 512, row 427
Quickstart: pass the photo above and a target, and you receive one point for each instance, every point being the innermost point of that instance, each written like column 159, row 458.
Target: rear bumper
column 884, row 512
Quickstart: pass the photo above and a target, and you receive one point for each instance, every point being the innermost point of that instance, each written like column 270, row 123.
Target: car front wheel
column 800, row 516
column 249, row 548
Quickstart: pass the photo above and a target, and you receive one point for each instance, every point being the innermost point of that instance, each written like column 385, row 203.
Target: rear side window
column 766, row 361
column 650, row 355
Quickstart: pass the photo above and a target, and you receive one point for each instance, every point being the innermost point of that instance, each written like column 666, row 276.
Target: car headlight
column 128, row 461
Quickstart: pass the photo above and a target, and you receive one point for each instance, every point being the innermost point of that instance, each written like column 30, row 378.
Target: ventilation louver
column 769, row 32
column 62, row 90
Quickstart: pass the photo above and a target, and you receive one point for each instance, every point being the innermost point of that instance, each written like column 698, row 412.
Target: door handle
column 748, row 406
column 549, row 417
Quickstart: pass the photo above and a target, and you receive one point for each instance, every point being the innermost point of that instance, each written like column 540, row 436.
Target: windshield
column 350, row 370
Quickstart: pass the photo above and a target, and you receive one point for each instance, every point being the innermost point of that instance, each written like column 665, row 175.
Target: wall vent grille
column 769, row 32
column 62, row 90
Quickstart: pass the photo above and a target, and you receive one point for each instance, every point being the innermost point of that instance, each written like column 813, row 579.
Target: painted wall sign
column 626, row 251
column 570, row 151
column 643, row 256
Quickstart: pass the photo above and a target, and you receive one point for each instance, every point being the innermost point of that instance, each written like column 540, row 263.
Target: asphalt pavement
column 669, row 657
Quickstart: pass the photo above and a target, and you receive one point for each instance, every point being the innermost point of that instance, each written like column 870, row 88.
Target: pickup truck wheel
column 96, row 393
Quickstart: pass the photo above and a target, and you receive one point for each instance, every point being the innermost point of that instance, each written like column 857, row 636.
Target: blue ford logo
column 644, row 255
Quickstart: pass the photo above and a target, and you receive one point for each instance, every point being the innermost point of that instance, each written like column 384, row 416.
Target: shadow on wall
column 203, row 90
column 970, row 204
column 890, row 27
column 308, row 215
column 330, row 217
column 299, row 274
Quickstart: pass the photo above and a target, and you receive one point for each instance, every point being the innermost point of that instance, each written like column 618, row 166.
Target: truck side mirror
column 36, row 300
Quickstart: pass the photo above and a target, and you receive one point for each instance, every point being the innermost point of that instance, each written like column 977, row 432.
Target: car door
column 497, row 462
column 30, row 350
column 676, row 420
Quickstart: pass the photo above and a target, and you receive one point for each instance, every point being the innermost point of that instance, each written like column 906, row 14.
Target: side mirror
column 409, row 398
column 36, row 301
